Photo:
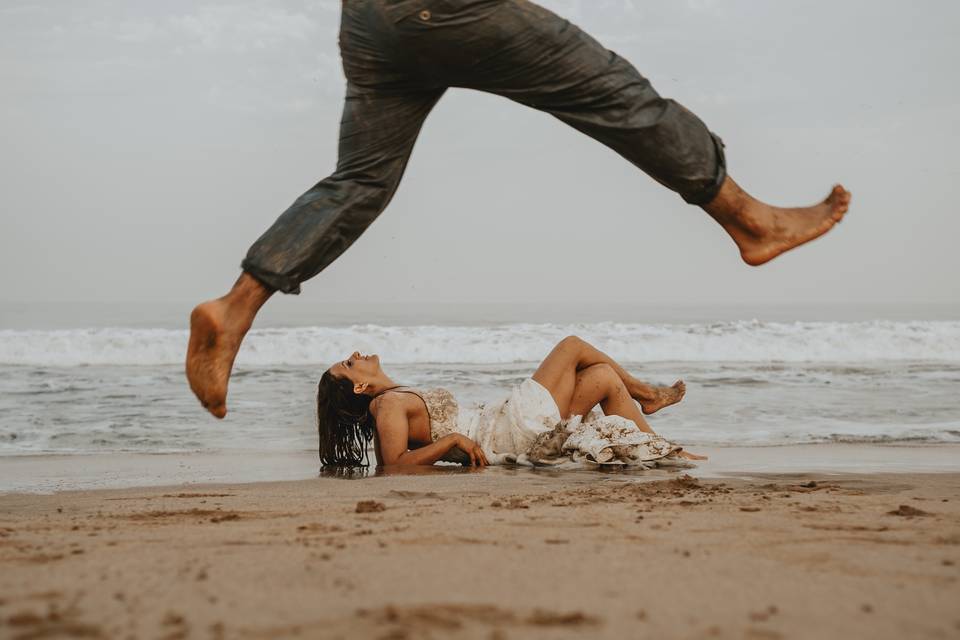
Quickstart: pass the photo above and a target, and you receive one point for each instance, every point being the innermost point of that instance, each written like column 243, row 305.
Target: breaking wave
column 742, row 341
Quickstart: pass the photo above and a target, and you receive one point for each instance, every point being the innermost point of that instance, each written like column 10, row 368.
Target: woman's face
column 357, row 368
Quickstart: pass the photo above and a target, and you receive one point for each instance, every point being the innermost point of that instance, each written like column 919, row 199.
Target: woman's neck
column 381, row 384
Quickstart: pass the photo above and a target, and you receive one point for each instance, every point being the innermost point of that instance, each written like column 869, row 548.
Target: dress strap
column 400, row 389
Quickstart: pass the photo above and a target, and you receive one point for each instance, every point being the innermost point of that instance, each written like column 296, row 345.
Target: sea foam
column 742, row 341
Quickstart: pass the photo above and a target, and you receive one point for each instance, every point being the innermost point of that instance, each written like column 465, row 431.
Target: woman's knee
column 575, row 345
column 600, row 374
column 594, row 384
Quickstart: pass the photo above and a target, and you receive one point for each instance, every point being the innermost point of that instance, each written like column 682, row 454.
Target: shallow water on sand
column 148, row 408
column 750, row 382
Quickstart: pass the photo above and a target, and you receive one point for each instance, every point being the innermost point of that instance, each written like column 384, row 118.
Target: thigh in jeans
column 520, row 50
column 384, row 108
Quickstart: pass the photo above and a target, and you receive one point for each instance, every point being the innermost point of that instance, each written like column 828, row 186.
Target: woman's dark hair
column 344, row 423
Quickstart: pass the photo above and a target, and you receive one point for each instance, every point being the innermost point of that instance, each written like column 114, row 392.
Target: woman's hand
column 472, row 449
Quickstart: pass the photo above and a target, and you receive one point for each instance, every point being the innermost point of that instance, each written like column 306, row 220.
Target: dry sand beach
column 500, row 553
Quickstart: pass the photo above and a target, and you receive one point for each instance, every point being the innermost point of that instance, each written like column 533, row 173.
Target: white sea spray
column 741, row 341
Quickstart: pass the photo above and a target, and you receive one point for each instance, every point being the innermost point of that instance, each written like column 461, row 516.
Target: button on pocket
column 425, row 15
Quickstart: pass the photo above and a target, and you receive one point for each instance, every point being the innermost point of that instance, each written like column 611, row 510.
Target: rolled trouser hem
column 706, row 194
column 273, row 281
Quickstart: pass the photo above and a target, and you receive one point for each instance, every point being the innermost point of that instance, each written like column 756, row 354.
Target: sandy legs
column 762, row 232
column 600, row 384
column 217, row 328
column 579, row 377
column 558, row 373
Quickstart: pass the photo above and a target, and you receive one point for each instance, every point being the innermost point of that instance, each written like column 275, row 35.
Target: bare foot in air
column 762, row 232
column 663, row 397
column 775, row 230
column 210, row 355
column 217, row 328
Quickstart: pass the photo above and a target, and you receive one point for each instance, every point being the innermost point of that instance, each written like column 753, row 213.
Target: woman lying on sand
column 540, row 422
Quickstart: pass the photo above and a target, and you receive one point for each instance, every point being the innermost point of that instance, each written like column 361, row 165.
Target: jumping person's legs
column 383, row 113
column 398, row 58
column 559, row 372
column 377, row 134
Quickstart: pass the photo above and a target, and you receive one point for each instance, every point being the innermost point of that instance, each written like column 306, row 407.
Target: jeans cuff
column 273, row 281
column 709, row 192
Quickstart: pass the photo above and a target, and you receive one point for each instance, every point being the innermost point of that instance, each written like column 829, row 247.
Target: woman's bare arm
column 393, row 429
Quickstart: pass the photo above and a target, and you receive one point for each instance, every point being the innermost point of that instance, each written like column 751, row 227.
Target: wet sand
column 498, row 553
column 50, row 473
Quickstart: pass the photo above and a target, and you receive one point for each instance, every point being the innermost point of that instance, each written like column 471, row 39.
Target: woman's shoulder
column 399, row 397
column 386, row 401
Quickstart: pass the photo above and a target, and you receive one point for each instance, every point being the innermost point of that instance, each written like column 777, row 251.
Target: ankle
column 642, row 391
column 241, row 303
column 739, row 213
column 755, row 219
column 248, row 292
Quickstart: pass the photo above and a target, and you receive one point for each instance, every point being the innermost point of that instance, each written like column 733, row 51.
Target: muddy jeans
column 399, row 56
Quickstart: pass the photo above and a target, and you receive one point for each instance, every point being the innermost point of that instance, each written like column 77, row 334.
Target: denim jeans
column 399, row 56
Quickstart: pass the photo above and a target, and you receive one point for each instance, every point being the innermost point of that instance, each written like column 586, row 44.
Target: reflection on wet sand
column 570, row 471
column 358, row 473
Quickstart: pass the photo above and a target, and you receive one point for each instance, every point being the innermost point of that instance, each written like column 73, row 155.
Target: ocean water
column 750, row 382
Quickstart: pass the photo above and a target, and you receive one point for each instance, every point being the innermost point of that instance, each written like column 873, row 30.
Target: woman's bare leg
column 579, row 377
column 559, row 369
column 600, row 384
column 762, row 232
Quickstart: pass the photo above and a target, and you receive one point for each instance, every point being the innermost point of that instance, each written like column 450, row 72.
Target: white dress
column 526, row 428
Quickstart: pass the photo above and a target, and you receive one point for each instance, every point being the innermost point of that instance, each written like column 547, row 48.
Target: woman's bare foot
column 662, row 397
column 217, row 328
column 763, row 232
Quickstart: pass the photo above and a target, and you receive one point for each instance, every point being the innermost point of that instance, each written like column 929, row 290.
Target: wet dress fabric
column 400, row 56
column 525, row 428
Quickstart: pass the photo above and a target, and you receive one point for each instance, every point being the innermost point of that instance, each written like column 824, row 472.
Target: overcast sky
column 144, row 145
